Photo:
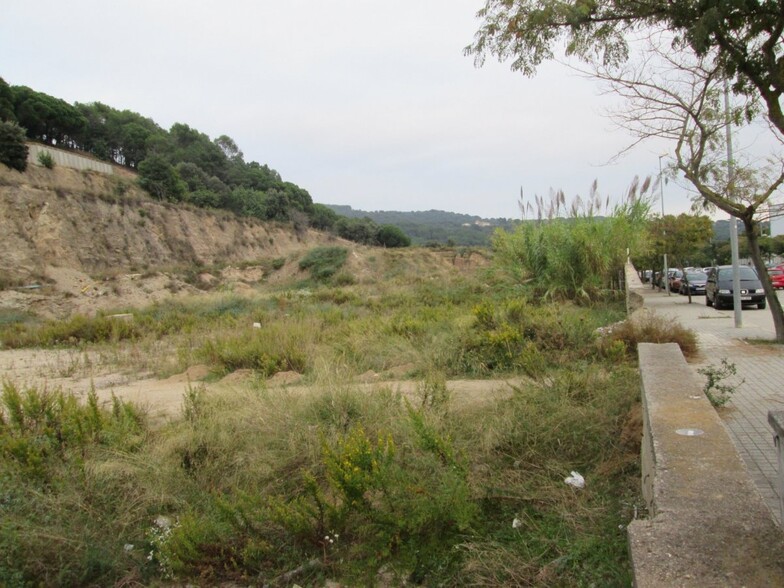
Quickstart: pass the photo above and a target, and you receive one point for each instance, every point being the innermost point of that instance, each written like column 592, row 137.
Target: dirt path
column 77, row 372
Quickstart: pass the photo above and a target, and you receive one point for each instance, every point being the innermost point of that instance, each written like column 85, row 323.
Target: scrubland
column 332, row 480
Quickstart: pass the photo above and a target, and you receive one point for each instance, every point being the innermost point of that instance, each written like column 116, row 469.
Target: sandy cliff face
column 82, row 242
column 98, row 223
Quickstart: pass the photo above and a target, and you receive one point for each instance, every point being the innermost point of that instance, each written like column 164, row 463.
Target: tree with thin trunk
column 745, row 36
column 676, row 89
column 681, row 97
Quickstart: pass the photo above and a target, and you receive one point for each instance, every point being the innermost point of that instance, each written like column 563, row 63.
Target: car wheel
column 762, row 305
column 717, row 303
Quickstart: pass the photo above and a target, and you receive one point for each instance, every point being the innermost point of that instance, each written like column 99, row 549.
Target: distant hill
column 434, row 226
column 721, row 229
column 441, row 227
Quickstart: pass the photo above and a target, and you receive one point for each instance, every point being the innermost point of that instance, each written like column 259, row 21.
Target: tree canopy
column 46, row 118
column 13, row 149
column 683, row 237
column 746, row 35
column 6, row 102
column 708, row 44
column 178, row 165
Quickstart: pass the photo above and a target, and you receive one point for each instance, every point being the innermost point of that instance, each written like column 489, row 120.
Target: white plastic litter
column 256, row 325
column 517, row 523
column 575, row 480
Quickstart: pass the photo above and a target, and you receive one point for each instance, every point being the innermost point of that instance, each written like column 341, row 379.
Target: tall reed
column 578, row 252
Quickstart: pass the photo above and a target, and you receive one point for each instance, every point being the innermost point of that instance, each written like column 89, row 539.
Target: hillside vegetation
column 331, row 480
column 434, row 227
column 177, row 165
column 442, row 400
column 351, row 414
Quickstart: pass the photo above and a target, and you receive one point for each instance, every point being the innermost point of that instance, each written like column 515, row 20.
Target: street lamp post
column 733, row 224
column 665, row 277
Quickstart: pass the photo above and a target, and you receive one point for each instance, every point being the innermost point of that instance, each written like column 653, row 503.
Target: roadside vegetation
column 335, row 480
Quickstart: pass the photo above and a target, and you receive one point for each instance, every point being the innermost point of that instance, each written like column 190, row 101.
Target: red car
column 777, row 277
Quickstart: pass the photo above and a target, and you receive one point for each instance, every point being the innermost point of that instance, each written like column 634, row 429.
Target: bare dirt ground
column 68, row 291
column 63, row 228
column 78, row 372
column 65, row 291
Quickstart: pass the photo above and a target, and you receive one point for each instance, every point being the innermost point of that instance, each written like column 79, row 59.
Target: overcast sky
column 360, row 102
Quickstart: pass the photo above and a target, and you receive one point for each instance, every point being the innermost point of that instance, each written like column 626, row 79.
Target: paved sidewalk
column 760, row 367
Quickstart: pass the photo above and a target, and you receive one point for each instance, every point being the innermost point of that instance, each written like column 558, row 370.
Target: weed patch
column 646, row 327
column 76, row 330
column 258, row 485
column 267, row 351
column 324, row 262
column 716, row 388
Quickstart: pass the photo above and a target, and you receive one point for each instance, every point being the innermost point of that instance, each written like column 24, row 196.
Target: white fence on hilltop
column 67, row 158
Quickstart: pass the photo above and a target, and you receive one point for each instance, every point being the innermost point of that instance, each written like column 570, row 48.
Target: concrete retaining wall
column 634, row 300
column 708, row 524
column 67, row 158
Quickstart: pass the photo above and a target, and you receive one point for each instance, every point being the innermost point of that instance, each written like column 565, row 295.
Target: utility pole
column 665, row 277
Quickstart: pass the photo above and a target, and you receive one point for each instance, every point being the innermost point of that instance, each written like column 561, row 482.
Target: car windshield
column 745, row 272
column 696, row 276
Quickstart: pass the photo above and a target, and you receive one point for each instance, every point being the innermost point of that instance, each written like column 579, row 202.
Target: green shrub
column 517, row 335
column 76, row 330
column 9, row 317
column 367, row 500
column 343, row 279
column 267, row 351
column 158, row 177
column 336, row 295
column 716, row 389
column 61, row 523
column 45, row 159
column 324, row 262
column 392, row 236
column 13, row 148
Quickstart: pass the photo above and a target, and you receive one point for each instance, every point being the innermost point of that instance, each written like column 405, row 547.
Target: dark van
column 718, row 289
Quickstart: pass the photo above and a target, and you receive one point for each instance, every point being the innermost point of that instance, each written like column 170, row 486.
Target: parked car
column 718, row 289
column 694, row 281
column 777, row 277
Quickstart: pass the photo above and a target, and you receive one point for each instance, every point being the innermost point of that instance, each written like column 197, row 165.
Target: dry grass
column 648, row 327
column 421, row 486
